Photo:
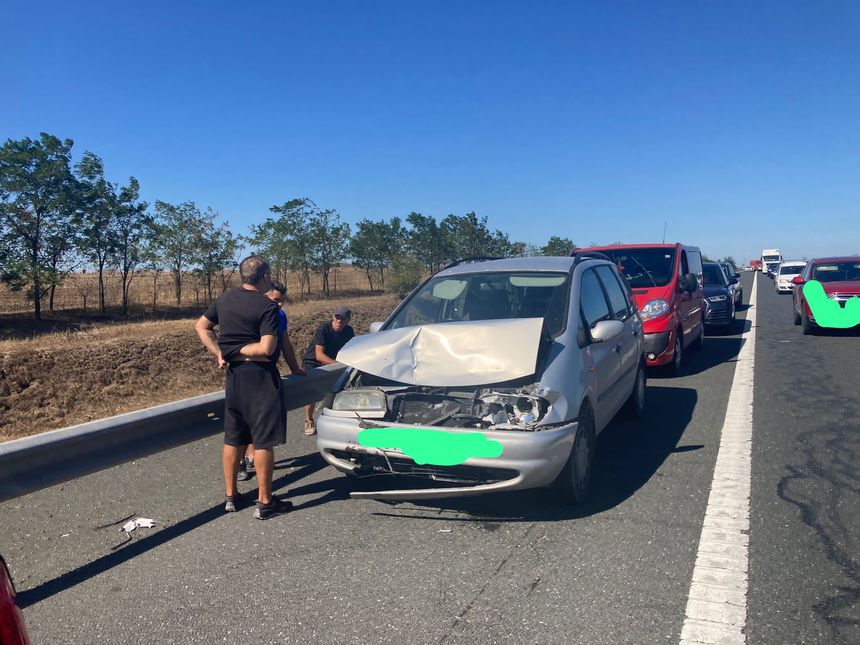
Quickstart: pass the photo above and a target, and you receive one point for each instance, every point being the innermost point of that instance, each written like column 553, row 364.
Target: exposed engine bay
column 481, row 408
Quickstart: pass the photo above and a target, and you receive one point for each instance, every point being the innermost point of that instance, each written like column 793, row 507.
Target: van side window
column 620, row 308
column 695, row 259
column 683, row 265
column 592, row 301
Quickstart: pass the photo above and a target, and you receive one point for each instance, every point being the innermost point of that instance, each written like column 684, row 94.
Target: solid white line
column 717, row 604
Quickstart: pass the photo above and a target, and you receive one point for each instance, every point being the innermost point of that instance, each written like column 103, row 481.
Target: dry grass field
column 91, row 370
column 79, row 292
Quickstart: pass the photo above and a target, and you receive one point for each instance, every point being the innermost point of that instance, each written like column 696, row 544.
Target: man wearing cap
column 328, row 340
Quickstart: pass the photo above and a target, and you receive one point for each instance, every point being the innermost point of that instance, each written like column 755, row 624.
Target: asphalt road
column 502, row 568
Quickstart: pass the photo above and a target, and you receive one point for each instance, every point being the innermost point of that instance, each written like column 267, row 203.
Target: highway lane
column 510, row 567
column 805, row 522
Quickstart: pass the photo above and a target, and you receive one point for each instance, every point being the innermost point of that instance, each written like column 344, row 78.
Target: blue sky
column 736, row 122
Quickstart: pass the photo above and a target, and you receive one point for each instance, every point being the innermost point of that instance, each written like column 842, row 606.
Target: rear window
column 836, row 271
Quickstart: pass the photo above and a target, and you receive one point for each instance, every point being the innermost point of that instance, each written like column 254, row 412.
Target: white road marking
column 717, row 604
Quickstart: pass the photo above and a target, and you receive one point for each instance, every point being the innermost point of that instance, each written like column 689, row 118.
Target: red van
column 666, row 280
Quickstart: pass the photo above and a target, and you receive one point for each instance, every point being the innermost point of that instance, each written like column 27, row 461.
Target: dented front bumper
column 529, row 459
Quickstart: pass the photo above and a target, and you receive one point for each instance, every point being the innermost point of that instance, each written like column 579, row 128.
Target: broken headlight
column 360, row 400
column 512, row 408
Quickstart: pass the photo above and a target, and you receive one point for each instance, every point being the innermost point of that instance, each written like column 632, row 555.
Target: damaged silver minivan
column 492, row 375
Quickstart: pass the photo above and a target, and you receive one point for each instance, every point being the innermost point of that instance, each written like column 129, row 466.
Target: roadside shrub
column 403, row 276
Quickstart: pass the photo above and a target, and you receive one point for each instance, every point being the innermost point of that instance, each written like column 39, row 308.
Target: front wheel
column 796, row 317
column 678, row 358
column 574, row 482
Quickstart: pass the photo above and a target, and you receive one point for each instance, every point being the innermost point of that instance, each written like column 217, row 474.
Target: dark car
column 719, row 295
column 12, row 630
column 737, row 288
column 840, row 279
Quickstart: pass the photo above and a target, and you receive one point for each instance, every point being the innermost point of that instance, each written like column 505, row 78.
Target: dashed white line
column 717, row 603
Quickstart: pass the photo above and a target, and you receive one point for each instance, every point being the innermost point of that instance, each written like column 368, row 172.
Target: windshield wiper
column 647, row 272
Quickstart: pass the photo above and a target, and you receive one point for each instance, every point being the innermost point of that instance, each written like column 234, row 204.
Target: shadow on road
column 629, row 454
column 307, row 464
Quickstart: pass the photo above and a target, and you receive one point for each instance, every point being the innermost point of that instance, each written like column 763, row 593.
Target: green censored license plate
column 432, row 447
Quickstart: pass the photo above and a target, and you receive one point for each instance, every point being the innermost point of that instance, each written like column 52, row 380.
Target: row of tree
column 57, row 217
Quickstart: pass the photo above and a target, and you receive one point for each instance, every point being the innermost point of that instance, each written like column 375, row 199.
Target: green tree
column 99, row 205
column 38, row 209
column 133, row 226
column 374, row 246
column 287, row 240
column 180, row 227
column 215, row 250
column 557, row 246
column 330, row 243
column 426, row 242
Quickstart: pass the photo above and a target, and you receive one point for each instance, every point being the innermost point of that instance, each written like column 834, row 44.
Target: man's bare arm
column 290, row 354
column 262, row 349
column 322, row 357
column 205, row 332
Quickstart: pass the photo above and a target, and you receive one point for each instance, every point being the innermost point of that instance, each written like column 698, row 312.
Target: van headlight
column 654, row 308
column 359, row 400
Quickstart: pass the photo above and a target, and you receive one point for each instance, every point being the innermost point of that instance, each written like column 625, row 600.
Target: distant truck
column 755, row 265
column 770, row 261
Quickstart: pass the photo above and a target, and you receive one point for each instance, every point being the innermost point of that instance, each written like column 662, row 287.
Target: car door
column 601, row 359
column 627, row 344
column 684, row 298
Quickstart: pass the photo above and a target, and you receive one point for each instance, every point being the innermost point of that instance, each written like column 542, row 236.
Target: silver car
column 494, row 375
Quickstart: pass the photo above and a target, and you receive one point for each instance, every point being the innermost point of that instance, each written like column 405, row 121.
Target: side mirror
column 733, row 280
column 797, row 280
column 738, row 276
column 691, row 283
column 606, row 329
column 376, row 326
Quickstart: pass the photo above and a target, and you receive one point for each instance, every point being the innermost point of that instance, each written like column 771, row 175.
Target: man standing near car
column 248, row 344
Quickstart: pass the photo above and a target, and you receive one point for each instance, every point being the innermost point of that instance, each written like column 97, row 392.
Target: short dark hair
column 279, row 287
column 253, row 268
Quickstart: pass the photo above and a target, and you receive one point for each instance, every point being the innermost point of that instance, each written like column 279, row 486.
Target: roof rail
column 474, row 258
column 582, row 256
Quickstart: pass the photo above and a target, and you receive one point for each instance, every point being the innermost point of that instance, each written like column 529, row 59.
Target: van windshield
column 488, row 296
column 645, row 267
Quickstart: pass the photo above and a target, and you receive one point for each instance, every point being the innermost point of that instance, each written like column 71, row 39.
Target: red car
column 840, row 277
column 12, row 630
column 666, row 280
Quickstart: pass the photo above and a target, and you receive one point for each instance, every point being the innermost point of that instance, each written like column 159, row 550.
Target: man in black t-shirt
column 248, row 344
column 328, row 340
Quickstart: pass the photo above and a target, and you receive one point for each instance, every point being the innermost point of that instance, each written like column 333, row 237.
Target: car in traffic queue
column 666, row 281
column 719, row 295
column 737, row 287
column 840, row 279
column 529, row 358
column 12, row 629
column 787, row 270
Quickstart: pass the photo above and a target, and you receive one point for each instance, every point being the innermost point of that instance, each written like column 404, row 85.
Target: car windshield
column 713, row 275
column 646, row 267
column 488, row 296
column 836, row 271
column 771, row 258
column 791, row 270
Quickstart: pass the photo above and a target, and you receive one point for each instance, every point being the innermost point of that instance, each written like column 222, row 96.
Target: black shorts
column 253, row 410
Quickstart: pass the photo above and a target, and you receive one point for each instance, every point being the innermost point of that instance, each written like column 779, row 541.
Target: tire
column 634, row 407
column 573, row 484
column 796, row 317
column 806, row 324
column 677, row 364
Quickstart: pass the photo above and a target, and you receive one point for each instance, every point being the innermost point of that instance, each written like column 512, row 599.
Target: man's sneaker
column 231, row 502
column 243, row 474
column 278, row 506
column 310, row 428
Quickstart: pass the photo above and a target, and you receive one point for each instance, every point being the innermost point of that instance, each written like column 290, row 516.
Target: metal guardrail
column 36, row 462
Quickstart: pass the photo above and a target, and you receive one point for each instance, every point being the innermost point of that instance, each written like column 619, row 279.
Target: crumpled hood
column 449, row 354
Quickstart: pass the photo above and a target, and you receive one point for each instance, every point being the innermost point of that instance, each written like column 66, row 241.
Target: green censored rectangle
column 432, row 447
